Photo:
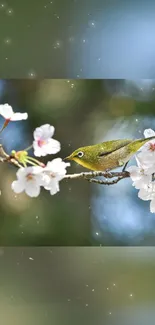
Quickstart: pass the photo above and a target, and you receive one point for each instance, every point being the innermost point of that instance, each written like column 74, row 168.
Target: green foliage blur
column 62, row 285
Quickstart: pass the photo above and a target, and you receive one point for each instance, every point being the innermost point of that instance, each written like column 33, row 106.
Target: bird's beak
column 67, row 158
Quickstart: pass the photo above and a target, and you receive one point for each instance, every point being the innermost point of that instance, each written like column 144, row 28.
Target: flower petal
column 35, row 169
column 44, row 132
column 145, row 194
column 44, row 180
column 18, row 186
column 19, row 116
column 38, row 152
column 58, row 167
column 21, row 172
column 55, row 189
column 53, row 165
column 6, row 111
column 53, row 146
column 149, row 133
column 134, row 172
column 32, row 189
column 152, row 206
column 138, row 161
column 53, row 186
column 143, row 182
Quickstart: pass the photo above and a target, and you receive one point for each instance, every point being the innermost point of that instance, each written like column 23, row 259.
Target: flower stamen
column 29, row 177
column 41, row 142
column 152, row 146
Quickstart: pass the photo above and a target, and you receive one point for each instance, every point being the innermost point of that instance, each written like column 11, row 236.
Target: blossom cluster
column 33, row 174
column 142, row 175
column 31, row 179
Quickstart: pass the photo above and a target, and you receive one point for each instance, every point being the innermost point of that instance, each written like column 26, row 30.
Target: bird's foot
column 124, row 168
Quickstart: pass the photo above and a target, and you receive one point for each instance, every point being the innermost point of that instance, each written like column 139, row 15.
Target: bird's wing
column 111, row 146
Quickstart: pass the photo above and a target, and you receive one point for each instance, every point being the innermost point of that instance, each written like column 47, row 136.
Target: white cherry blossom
column 29, row 179
column 147, row 194
column 149, row 133
column 149, row 147
column 9, row 115
column 140, row 176
column 54, row 171
column 148, row 161
column 43, row 143
column 147, row 152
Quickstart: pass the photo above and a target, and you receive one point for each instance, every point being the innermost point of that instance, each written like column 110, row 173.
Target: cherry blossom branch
column 32, row 174
column 89, row 176
column 4, row 157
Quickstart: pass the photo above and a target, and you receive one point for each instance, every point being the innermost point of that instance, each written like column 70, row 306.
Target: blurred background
column 77, row 39
column 83, row 112
column 111, row 286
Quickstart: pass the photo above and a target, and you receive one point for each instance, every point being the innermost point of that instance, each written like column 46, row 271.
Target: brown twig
column 3, row 154
column 4, row 157
column 89, row 176
column 98, row 181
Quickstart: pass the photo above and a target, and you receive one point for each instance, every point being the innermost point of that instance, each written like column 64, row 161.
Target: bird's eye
column 80, row 154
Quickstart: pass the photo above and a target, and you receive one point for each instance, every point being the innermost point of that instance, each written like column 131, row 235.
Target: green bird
column 108, row 155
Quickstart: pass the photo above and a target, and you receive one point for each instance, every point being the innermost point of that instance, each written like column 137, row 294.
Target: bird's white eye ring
column 80, row 154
